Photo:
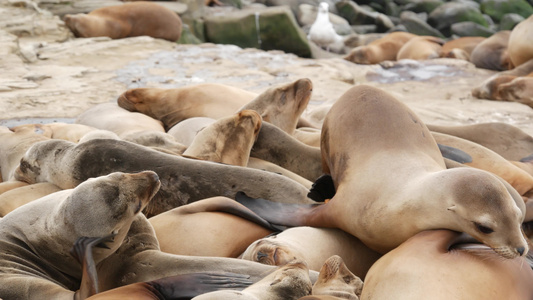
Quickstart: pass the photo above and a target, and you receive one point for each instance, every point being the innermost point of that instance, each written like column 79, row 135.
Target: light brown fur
column 520, row 47
column 17, row 197
column 420, row 48
column 492, row 53
column 460, row 48
column 385, row 48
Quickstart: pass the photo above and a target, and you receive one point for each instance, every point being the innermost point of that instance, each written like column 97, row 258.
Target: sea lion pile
column 209, row 191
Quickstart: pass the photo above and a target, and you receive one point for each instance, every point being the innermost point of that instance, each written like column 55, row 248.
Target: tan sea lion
column 389, row 165
column 35, row 241
column 308, row 136
column 216, row 226
column 6, row 186
column 257, row 163
column 488, row 89
column 483, row 158
column 431, row 265
column 385, row 48
column 13, row 147
column 228, row 140
column 127, row 20
column 185, row 131
column 505, row 139
column 460, row 48
column 314, row 246
column 278, row 147
column 288, row 282
column 183, row 180
column 283, row 105
column 518, row 90
column 421, row 48
column 59, row 130
column 492, row 53
column 15, row 198
column 520, row 48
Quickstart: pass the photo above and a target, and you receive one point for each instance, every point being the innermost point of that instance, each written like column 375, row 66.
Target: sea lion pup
column 520, row 48
column 183, row 180
column 278, row 147
column 518, row 90
column 314, row 246
column 13, row 147
column 288, row 282
column 483, row 158
column 127, row 20
column 505, row 139
column 17, row 197
column 228, row 140
column 216, row 226
column 421, row 48
column 434, row 265
column 488, row 89
column 283, row 105
column 185, row 131
column 460, row 48
column 385, row 48
column 130, row 126
column 335, row 282
column 389, row 165
column 174, row 287
column 59, row 130
column 492, row 53
column 171, row 106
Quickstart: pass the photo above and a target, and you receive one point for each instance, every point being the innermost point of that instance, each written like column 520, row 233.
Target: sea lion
column 127, row 20
column 492, row 53
column 171, row 106
column 15, row 198
column 520, row 48
column 314, row 246
column 216, row 226
column 486, row 159
column 13, row 147
column 488, row 89
column 257, row 163
column 183, row 180
column 228, row 140
column 185, row 131
column 460, row 48
column 59, row 130
column 518, row 90
column 283, row 105
column 288, row 282
column 505, row 139
column 276, row 146
column 308, row 136
column 335, row 281
column 130, row 126
column 385, row 48
column 421, row 48
column 431, row 265
column 389, row 165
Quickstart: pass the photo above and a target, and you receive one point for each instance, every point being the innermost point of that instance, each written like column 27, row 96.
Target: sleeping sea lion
column 382, row 49
column 492, row 53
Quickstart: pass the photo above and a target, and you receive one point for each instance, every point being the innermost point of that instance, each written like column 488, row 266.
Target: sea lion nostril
column 520, row 250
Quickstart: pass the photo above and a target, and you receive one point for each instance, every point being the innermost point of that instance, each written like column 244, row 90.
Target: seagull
column 322, row 32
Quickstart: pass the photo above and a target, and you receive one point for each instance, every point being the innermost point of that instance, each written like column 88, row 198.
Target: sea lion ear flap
column 452, row 208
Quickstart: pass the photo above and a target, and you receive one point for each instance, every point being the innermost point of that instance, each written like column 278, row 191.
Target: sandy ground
column 47, row 75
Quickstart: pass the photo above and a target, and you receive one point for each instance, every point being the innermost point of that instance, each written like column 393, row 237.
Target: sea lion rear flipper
column 455, row 154
column 286, row 214
column 83, row 252
column 187, row 286
column 323, row 188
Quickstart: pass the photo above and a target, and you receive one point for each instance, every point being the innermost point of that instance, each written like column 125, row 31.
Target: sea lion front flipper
column 83, row 252
column 286, row 214
column 455, row 154
column 323, row 188
column 187, row 286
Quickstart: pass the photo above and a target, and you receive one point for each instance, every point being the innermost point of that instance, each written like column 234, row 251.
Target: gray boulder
column 496, row 9
column 416, row 25
column 450, row 13
column 509, row 21
column 471, row 29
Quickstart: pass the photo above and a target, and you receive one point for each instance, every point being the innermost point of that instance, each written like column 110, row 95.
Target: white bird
column 322, row 32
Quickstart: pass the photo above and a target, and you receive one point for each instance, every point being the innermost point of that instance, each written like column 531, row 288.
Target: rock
column 471, row 29
column 509, row 21
column 234, row 3
column 187, row 37
column 449, row 13
column 357, row 15
column 426, row 6
column 364, row 29
column 273, row 28
column 496, row 9
column 415, row 25
column 293, row 4
column 383, row 23
column 392, row 9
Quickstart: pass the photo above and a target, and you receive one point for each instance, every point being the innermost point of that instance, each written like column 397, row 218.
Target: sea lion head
column 335, row 279
column 107, row 205
column 489, row 210
column 140, row 100
column 78, row 24
column 360, row 55
column 291, row 281
column 269, row 251
column 519, row 89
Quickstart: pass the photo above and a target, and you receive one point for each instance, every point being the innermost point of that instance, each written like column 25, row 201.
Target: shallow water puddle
column 411, row 70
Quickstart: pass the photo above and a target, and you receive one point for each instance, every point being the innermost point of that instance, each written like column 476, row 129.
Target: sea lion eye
column 483, row 229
